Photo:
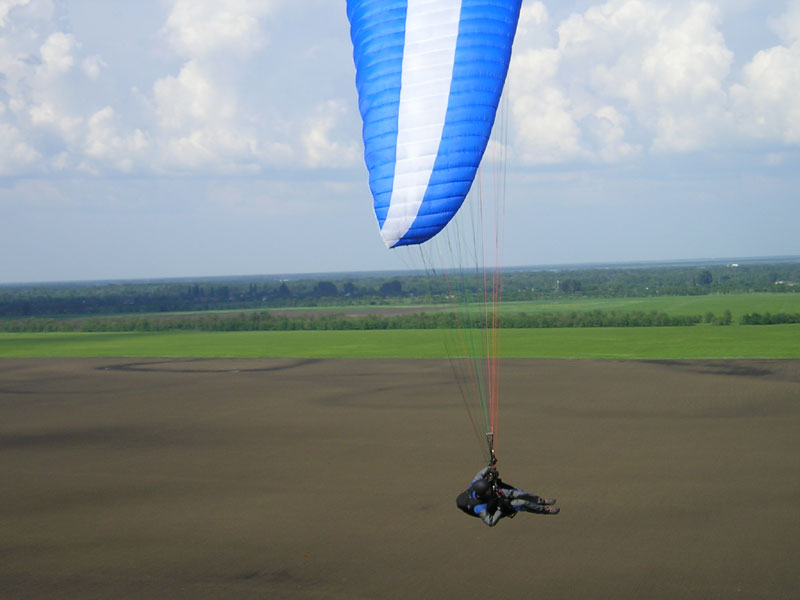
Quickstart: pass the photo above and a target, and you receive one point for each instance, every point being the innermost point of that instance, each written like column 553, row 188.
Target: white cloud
column 533, row 14
column 35, row 64
column 198, row 29
column 48, row 118
column 627, row 77
column 191, row 97
column 686, row 70
column 14, row 67
column 606, row 130
column 6, row 6
column 55, row 116
column 544, row 125
column 105, row 145
column 229, row 87
column 788, row 25
column 322, row 149
column 765, row 99
column 15, row 152
column 544, row 129
column 92, row 65
column 56, row 55
column 203, row 121
column 200, row 124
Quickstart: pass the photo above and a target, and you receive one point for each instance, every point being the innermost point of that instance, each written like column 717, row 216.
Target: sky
column 188, row 138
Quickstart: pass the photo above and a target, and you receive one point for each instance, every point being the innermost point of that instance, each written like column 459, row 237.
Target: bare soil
column 337, row 479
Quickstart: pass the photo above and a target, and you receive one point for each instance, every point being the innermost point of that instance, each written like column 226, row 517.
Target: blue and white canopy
column 429, row 74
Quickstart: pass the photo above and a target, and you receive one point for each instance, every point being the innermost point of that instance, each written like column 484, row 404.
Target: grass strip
column 772, row 341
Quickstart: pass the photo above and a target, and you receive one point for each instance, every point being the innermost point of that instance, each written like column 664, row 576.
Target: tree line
column 114, row 298
column 265, row 321
column 769, row 319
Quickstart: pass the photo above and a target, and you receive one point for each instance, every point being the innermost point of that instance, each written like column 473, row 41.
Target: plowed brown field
column 337, row 479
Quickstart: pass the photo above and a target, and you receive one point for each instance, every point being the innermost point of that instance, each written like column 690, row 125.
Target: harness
column 472, row 505
column 468, row 501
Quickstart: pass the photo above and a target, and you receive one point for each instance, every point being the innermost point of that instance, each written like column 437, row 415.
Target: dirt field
column 337, row 479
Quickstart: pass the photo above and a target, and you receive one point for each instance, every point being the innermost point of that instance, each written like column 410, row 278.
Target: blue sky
column 173, row 138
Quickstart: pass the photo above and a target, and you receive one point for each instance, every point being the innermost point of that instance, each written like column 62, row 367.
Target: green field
column 701, row 341
column 704, row 341
column 738, row 304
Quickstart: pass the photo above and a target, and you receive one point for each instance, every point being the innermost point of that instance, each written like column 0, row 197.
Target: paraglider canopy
column 429, row 75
